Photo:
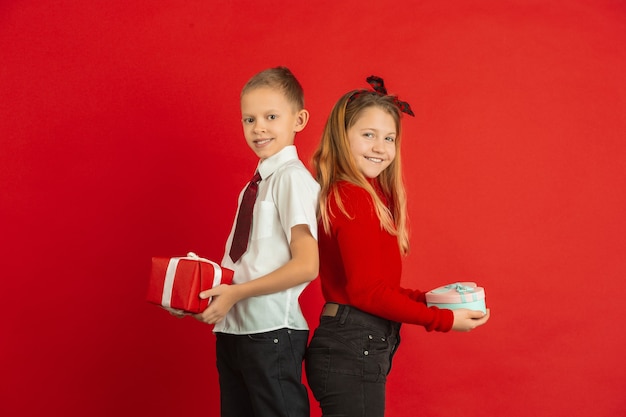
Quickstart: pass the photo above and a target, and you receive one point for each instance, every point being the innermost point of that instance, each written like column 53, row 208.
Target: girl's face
column 373, row 141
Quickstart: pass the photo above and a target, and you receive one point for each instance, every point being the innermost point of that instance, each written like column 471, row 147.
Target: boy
column 260, row 330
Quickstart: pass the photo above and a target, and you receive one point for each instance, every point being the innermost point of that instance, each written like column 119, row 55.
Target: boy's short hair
column 280, row 78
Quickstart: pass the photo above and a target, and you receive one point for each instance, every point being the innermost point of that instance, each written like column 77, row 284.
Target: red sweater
column 361, row 265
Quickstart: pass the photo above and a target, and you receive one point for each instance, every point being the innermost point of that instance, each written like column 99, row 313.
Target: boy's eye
column 272, row 117
column 248, row 120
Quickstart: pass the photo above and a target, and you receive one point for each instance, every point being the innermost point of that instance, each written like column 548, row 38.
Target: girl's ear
column 302, row 118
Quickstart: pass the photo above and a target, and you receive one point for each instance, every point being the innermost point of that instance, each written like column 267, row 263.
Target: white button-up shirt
column 287, row 197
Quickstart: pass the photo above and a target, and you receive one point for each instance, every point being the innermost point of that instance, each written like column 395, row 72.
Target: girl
column 363, row 236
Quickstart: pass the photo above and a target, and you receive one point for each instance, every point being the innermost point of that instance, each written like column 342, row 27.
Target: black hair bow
column 378, row 85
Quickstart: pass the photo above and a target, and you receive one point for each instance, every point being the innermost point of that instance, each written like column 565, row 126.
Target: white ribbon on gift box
column 170, row 273
column 462, row 288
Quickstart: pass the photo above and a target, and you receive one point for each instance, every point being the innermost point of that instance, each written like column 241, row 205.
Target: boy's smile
column 270, row 121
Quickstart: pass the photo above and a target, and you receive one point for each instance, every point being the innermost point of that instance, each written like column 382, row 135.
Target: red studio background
column 120, row 139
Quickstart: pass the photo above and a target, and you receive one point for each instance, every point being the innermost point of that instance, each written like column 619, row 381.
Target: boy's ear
column 302, row 118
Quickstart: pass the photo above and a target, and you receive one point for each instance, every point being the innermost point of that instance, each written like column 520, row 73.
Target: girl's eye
column 368, row 135
column 390, row 139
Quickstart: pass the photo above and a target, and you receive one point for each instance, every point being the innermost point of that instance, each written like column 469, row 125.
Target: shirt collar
column 268, row 166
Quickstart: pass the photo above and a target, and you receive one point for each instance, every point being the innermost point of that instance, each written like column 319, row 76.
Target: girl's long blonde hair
column 333, row 161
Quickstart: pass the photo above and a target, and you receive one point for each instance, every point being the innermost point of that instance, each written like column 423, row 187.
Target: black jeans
column 261, row 374
column 348, row 361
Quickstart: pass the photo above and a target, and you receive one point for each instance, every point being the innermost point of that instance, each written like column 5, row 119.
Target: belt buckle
column 330, row 309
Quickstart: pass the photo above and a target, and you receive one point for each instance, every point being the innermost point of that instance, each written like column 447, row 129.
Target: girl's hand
column 224, row 297
column 466, row 320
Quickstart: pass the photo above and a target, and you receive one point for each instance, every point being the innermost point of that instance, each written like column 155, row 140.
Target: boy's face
column 270, row 121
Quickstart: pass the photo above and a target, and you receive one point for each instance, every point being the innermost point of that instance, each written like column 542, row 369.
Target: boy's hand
column 224, row 297
column 179, row 314
column 466, row 320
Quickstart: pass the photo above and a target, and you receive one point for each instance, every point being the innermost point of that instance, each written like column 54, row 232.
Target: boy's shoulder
column 294, row 168
column 293, row 179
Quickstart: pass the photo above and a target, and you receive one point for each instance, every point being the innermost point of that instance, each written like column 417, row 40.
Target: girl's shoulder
column 349, row 189
column 352, row 197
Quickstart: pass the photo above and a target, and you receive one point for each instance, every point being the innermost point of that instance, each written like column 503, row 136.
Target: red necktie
column 244, row 219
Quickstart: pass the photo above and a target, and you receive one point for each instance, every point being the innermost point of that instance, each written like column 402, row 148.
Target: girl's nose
column 378, row 146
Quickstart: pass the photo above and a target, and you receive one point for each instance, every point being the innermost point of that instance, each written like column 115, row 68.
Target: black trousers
column 261, row 374
column 348, row 361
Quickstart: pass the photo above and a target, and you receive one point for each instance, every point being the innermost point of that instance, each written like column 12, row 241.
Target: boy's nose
column 259, row 125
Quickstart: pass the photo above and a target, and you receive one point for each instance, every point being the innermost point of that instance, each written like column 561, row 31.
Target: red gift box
column 176, row 283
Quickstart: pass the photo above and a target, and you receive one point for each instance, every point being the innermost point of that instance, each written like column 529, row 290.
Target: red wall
column 120, row 140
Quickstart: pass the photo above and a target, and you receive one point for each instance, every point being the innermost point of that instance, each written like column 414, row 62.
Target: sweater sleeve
column 372, row 265
column 415, row 295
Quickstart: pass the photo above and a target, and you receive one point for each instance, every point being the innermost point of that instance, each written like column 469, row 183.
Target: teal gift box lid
column 458, row 295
